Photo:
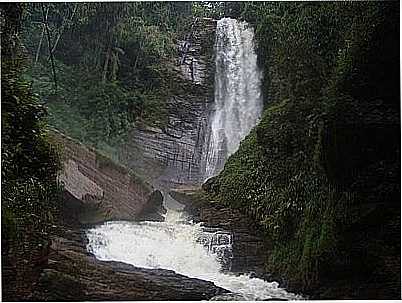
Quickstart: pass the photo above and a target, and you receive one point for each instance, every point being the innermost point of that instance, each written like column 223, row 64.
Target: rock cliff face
column 173, row 155
column 105, row 190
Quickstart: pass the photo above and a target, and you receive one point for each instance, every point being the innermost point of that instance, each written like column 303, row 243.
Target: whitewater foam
column 238, row 99
column 173, row 245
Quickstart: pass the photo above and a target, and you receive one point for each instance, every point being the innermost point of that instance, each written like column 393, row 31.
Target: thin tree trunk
column 105, row 67
column 62, row 29
column 41, row 39
column 115, row 65
column 138, row 55
column 40, row 45
column 49, row 44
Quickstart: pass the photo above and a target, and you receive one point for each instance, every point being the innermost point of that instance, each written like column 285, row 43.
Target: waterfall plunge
column 238, row 101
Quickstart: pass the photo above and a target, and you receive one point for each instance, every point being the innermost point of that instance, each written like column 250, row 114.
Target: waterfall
column 238, row 100
column 177, row 243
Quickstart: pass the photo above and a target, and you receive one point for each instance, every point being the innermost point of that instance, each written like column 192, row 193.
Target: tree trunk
column 106, row 65
column 41, row 39
column 138, row 55
column 115, row 65
column 49, row 44
column 40, row 45
column 62, row 29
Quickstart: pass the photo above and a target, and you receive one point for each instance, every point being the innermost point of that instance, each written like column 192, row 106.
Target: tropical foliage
column 324, row 160
column 29, row 166
column 320, row 174
column 112, row 63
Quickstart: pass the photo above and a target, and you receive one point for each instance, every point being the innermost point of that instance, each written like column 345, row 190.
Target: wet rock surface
column 249, row 248
column 154, row 209
column 71, row 273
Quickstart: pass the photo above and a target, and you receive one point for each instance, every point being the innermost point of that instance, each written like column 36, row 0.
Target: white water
column 173, row 245
column 238, row 100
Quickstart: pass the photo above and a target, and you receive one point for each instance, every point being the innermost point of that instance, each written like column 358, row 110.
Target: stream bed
column 184, row 247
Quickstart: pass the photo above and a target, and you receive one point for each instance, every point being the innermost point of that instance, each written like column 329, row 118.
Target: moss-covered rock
column 320, row 173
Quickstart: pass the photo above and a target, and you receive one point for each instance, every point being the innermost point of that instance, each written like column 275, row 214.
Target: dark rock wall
column 173, row 155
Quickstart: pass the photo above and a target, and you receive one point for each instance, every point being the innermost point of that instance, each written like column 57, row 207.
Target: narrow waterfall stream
column 238, row 100
column 181, row 246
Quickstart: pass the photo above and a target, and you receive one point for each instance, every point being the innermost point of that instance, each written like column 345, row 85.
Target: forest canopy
column 111, row 63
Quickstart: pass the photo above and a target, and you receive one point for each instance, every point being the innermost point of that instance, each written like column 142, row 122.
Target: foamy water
column 173, row 245
column 237, row 99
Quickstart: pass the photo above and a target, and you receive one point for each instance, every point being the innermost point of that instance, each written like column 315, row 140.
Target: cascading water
column 238, row 101
column 178, row 244
column 182, row 246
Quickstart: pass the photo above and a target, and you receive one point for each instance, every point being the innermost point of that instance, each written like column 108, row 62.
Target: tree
column 29, row 166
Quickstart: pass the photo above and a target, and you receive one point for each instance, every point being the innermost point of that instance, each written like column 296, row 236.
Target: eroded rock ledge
column 103, row 189
column 73, row 274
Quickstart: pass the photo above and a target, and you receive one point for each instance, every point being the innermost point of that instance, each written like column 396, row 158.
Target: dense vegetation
column 112, row 64
column 321, row 172
column 29, row 167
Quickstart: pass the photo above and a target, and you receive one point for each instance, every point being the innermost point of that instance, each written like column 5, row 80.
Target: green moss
column 308, row 173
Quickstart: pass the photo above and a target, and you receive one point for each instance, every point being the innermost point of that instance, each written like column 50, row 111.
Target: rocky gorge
column 97, row 190
column 70, row 272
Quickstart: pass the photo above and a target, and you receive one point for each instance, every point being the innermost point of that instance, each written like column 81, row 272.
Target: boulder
column 154, row 209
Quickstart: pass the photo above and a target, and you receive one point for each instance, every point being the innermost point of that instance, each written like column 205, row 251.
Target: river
column 179, row 245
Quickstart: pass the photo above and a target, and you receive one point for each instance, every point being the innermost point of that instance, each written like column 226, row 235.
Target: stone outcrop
column 103, row 189
column 249, row 248
column 154, row 209
column 172, row 155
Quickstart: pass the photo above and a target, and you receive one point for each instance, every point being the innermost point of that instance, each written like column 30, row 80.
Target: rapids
column 175, row 244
